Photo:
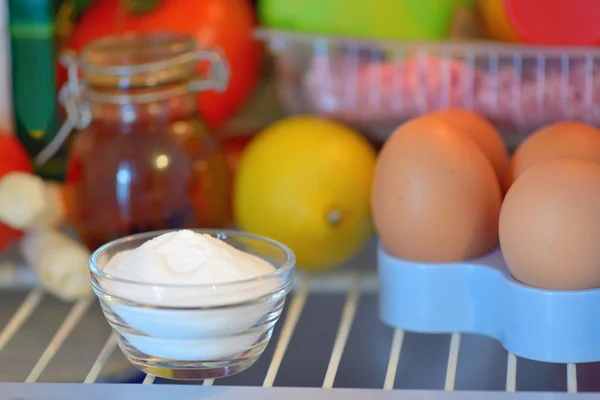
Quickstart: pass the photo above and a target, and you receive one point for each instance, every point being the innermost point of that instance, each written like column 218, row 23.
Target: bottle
column 6, row 106
column 145, row 161
column 34, row 68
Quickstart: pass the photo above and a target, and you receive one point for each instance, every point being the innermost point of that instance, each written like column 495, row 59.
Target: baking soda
column 194, row 296
column 186, row 258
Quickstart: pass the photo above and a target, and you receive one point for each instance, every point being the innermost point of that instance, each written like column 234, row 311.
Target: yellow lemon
column 306, row 182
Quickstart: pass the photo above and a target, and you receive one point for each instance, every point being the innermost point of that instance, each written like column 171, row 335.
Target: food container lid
column 556, row 22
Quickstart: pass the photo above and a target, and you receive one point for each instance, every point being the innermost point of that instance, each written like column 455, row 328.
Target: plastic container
column 480, row 296
column 194, row 331
column 376, row 85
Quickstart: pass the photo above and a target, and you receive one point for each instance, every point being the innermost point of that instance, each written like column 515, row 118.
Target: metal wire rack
column 329, row 337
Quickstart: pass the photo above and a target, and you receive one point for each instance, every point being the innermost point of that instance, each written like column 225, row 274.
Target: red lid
column 557, row 22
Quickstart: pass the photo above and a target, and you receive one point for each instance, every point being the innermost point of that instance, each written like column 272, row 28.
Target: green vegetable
column 375, row 19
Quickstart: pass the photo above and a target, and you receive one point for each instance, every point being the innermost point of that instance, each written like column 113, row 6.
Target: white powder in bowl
column 203, row 270
column 186, row 258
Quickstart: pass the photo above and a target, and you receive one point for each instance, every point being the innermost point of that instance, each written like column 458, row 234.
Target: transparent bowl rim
column 287, row 266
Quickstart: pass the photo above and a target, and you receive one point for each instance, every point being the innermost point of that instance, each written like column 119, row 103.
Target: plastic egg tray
column 480, row 296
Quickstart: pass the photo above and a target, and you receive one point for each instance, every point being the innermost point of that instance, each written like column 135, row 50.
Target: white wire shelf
column 329, row 337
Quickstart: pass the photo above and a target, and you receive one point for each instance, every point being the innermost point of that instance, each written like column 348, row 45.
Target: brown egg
column 436, row 197
column 550, row 225
column 562, row 139
column 482, row 132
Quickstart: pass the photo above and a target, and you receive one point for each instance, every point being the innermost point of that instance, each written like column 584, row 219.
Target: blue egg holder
column 480, row 296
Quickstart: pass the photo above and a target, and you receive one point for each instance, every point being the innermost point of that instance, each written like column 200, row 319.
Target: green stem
column 141, row 6
column 82, row 5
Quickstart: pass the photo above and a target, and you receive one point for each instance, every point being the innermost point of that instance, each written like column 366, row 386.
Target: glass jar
column 143, row 160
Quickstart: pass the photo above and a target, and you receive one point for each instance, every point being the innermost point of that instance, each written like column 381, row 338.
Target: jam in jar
column 143, row 160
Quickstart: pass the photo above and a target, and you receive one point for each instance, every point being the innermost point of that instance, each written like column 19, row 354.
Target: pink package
column 537, row 97
column 366, row 91
column 373, row 92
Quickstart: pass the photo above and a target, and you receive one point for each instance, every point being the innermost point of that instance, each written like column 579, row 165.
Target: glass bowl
column 203, row 331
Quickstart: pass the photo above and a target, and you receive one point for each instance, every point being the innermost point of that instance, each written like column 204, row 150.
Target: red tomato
column 13, row 157
column 226, row 24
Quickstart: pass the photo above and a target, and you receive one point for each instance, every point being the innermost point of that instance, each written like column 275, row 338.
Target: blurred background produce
column 377, row 19
column 555, row 22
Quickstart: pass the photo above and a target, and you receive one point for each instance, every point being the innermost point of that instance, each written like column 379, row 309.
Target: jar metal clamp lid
column 117, row 69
